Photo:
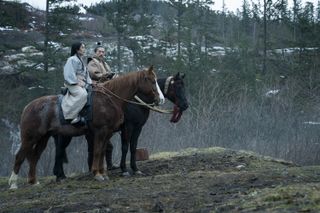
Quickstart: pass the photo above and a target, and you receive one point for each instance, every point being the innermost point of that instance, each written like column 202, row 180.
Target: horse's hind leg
column 61, row 142
column 19, row 159
column 34, row 156
column 90, row 139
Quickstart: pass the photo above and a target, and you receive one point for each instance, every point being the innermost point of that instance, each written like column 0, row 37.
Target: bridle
column 165, row 91
column 170, row 80
column 167, row 84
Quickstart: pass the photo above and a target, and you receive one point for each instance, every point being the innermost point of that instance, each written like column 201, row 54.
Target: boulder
column 29, row 49
column 15, row 57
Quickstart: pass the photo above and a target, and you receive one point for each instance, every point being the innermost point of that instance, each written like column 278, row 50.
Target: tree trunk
column 46, row 40
column 119, row 51
column 179, row 28
column 265, row 36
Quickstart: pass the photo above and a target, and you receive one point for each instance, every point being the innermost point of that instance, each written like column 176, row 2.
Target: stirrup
column 76, row 120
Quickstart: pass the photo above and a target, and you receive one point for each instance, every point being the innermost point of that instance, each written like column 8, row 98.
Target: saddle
column 86, row 111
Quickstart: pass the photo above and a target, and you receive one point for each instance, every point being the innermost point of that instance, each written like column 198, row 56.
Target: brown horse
column 40, row 120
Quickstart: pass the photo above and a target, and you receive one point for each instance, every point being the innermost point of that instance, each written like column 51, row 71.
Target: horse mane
column 123, row 80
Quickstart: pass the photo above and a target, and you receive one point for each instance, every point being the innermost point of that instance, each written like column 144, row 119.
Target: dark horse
column 40, row 120
column 135, row 117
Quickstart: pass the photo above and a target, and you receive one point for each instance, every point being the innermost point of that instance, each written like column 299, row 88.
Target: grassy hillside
column 207, row 180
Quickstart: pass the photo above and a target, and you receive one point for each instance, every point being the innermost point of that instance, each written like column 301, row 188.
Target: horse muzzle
column 156, row 101
column 177, row 111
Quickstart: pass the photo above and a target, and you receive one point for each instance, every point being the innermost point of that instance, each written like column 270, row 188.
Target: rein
column 153, row 108
column 108, row 92
column 165, row 111
column 140, row 102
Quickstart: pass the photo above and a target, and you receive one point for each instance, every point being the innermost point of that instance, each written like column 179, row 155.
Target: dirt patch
column 208, row 180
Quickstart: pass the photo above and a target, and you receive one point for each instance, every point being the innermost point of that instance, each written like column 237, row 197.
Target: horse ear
column 176, row 76
column 150, row 68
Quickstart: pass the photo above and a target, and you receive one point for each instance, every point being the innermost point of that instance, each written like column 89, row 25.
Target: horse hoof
column 99, row 178
column 33, row 183
column 106, row 178
column 13, row 181
column 126, row 174
column 60, row 180
column 13, row 186
column 138, row 172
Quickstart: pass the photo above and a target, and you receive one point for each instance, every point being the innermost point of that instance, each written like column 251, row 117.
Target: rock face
column 15, row 60
column 6, row 69
column 29, row 49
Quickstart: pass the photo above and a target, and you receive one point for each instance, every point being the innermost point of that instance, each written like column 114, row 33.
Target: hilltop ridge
column 193, row 180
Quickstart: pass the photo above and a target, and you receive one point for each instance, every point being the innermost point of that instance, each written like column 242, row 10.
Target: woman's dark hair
column 75, row 47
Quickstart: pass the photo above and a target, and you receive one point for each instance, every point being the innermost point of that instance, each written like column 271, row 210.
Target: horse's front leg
column 109, row 150
column 133, row 148
column 100, row 136
column 102, row 169
column 125, row 138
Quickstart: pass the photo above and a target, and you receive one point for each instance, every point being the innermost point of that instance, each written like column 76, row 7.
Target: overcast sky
column 230, row 4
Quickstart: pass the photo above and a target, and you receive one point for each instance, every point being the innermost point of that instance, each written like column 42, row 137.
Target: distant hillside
column 206, row 180
column 20, row 25
column 19, row 15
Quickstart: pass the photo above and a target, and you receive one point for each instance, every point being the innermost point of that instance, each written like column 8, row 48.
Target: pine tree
column 59, row 20
column 296, row 10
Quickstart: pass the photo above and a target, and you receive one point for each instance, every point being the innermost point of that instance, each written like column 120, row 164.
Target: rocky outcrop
column 14, row 61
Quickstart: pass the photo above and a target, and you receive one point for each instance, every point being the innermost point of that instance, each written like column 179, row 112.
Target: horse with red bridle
column 40, row 121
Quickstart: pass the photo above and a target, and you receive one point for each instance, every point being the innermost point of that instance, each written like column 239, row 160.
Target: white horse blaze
column 161, row 96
